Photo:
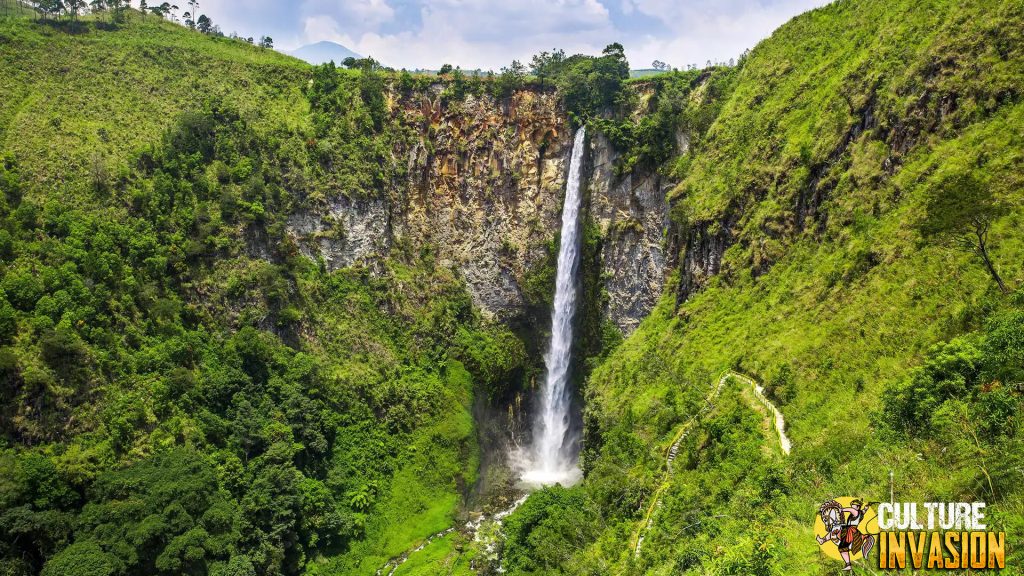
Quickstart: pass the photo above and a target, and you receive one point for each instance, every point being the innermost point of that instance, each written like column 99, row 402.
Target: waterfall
column 553, row 455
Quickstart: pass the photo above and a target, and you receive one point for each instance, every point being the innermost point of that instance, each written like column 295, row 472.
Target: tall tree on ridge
column 74, row 7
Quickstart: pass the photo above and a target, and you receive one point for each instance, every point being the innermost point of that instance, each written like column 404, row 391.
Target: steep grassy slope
column 803, row 263
column 182, row 392
column 65, row 96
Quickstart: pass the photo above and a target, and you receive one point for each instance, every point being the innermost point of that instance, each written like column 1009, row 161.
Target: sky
column 489, row 34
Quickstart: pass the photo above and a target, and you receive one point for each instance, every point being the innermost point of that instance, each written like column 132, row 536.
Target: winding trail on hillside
column 637, row 540
column 777, row 422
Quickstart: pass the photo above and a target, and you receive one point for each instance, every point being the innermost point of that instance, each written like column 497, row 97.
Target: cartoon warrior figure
column 842, row 528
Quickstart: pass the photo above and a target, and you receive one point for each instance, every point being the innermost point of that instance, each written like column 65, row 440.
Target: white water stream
column 552, row 457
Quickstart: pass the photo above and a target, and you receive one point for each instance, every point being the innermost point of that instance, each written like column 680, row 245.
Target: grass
column 400, row 444
column 67, row 97
column 423, row 496
column 442, row 557
column 847, row 294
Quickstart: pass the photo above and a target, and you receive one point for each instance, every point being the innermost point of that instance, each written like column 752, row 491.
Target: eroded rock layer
column 483, row 189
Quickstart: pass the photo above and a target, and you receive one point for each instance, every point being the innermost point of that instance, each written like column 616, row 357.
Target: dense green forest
column 185, row 392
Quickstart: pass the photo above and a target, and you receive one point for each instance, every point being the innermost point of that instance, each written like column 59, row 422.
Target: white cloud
column 705, row 30
column 351, row 15
column 491, row 33
column 323, row 27
column 488, row 34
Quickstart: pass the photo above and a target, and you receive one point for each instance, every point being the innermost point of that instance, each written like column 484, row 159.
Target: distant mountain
column 324, row 51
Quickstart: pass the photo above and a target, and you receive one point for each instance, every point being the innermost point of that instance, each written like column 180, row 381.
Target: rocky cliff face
column 484, row 188
column 632, row 213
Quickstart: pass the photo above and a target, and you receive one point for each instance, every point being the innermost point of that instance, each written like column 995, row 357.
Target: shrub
column 494, row 356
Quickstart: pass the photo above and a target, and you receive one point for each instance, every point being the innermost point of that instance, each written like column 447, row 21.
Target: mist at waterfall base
column 552, row 456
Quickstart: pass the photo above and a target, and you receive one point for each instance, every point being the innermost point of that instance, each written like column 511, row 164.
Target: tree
column 164, row 10
column 659, row 65
column 781, row 386
column 186, row 520
column 961, row 210
column 551, row 523
column 1004, row 348
column 445, row 69
column 82, row 558
column 510, row 80
column 114, row 6
column 47, row 8
column 591, row 85
column 119, row 10
column 266, row 42
column 204, row 24
column 39, row 7
column 74, row 7
column 615, row 50
column 365, row 64
column 371, row 90
column 547, row 64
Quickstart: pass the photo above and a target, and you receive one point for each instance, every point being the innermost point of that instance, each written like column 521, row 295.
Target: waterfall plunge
column 552, row 457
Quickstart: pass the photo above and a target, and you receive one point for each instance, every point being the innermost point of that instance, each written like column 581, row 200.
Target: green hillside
column 109, row 93
column 183, row 393
column 887, row 345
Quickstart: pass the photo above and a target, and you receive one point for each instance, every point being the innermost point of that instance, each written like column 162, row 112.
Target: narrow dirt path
column 777, row 422
column 637, row 540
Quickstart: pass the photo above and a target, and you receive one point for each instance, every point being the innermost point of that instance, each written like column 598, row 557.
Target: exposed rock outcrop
column 347, row 232
column 704, row 245
column 485, row 191
column 632, row 213
column 484, row 187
